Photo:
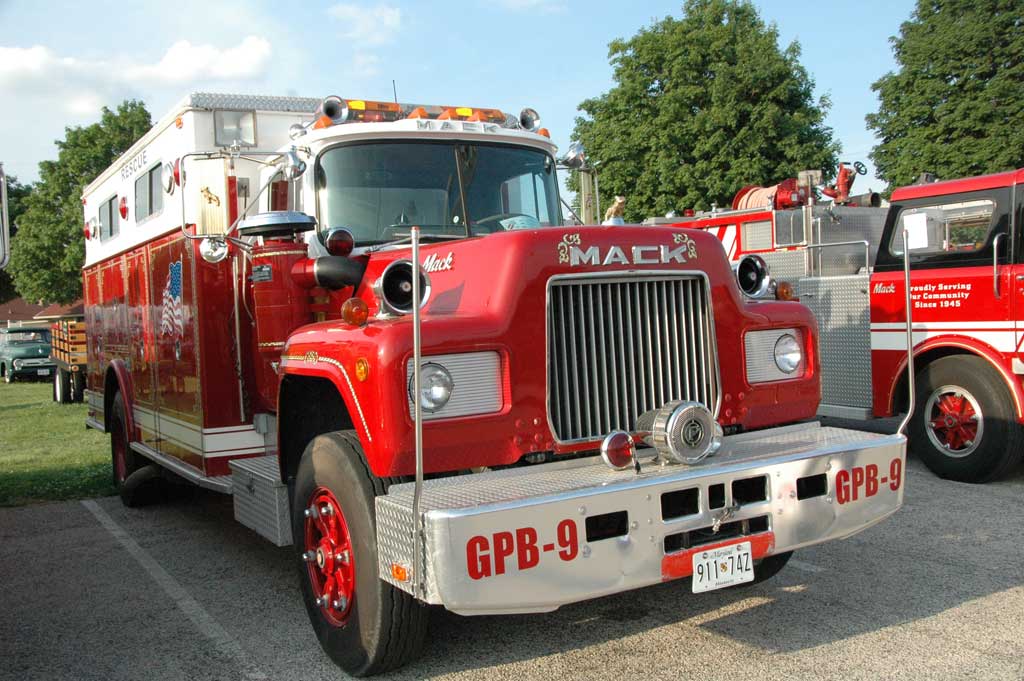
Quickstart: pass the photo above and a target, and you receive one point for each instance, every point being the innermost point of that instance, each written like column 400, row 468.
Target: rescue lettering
column 519, row 548
column 862, row 482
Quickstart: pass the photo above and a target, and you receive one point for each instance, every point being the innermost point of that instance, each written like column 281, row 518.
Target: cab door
column 963, row 281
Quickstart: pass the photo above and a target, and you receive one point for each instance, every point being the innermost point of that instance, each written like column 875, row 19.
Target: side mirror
column 213, row 250
column 293, row 166
column 5, row 226
column 575, row 156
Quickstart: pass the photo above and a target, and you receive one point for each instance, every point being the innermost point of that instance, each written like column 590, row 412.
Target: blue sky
column 59, row 62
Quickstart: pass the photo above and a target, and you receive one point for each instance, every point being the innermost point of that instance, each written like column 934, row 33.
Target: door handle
column 995, row 264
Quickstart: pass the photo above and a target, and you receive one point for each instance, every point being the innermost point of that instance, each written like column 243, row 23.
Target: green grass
column 46, row 452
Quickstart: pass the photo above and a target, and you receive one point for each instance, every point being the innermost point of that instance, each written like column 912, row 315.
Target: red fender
column 124, row 383
column 972, row 345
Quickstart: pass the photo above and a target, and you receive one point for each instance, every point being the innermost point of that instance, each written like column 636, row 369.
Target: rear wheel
column 125, row 462
column 61, row 386
column 8, row 378
column 964, row 426
column 364, row 624
column 77, row 387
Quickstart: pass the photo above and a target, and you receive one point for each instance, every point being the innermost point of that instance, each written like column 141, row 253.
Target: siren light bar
column 336, row 110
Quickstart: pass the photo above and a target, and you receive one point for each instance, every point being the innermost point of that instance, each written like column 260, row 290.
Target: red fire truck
column 369, row 323
column 967, row 271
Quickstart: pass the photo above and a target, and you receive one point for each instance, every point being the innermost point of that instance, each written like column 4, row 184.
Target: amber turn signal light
column 785, row 291
column 355, row 312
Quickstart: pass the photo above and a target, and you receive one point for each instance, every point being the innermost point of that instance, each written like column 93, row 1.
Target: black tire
column 950, row 393
column 77, row 387
column 62, row 386
column 7, row 372
column 382, row 628
column 767, row 568
column 123, row 460
column 53, row 386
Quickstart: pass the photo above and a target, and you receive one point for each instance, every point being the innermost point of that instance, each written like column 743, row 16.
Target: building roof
column 17, row 310
column 58, row 311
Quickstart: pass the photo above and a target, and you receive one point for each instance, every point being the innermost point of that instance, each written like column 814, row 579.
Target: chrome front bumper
column 533, row 538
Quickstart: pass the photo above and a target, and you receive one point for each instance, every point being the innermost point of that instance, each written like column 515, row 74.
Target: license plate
column 42, row 372
column 722, row 567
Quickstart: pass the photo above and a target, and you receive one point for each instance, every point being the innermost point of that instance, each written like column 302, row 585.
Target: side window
column 526, row 194
column 950, row 228
column 109, row 225
column 149, row 196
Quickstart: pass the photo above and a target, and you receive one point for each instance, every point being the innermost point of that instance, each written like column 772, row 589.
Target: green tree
column 16, row 194
column 48, row 252
column 955, row 107
column 702, row 106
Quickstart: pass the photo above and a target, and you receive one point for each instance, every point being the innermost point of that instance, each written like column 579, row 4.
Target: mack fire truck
column 967, row 282
column 370, row 324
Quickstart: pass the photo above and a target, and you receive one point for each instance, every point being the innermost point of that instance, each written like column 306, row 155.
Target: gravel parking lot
column 92, row 590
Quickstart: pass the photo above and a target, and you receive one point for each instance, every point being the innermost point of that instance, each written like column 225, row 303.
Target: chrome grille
column 619, row 346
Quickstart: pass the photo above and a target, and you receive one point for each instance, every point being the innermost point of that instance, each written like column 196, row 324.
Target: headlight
column 17, row 364
column 788, row 353
column 436, row 386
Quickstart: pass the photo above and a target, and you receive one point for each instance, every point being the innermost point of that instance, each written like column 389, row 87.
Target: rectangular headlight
column 774, row 355
column 477, row 384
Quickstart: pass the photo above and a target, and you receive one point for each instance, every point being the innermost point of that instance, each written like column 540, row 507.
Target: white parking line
column 806, row 567
column 203, row 621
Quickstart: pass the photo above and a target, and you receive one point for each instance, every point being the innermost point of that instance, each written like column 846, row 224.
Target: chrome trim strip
column 184, row 470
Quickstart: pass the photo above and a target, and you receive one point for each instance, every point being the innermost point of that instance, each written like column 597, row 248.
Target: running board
column 222, row 485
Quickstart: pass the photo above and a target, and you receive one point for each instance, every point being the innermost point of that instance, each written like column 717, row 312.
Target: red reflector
column 340, row 242
column 618, row 450
column 123, row 208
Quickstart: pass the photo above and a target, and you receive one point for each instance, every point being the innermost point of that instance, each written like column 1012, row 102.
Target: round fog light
column 436, row 386
column 788, row 353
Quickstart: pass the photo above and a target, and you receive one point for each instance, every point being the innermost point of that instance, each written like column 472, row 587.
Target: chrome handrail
column 912, row 391
column 862, row 242
column 5, row 227
column 419, row 584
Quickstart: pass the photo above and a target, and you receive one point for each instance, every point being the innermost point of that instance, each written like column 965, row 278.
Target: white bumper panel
column 533, row 538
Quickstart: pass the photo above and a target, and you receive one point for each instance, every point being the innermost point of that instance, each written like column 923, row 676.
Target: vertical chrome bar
column 627, row 329
column 573, row 433
column 673, row 320
column 238, row 337
column 558, row 326
column 606, row 378
column 419, row 586
column 912, row 392
column 595, row 362
column 654, row 319
column 685, row 336
column 5, row 227
column 584, row 368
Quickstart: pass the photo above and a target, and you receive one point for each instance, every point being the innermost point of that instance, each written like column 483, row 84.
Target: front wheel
column 964, row 426
column 364, row 624
column 61, row 386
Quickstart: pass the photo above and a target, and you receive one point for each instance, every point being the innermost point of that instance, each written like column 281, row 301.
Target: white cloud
column 185, row 62
column 38, row 68
column 366, row 65
column 369, row 25
column 46, row 90
column 537, row 6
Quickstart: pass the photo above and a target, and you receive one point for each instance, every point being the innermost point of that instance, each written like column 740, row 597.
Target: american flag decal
column 171, row 321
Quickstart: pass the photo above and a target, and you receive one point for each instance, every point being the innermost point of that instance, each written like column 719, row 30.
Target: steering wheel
column 860, row 168
column 500, row 216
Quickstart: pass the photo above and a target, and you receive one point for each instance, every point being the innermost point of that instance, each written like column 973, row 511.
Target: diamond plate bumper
column 533, row 538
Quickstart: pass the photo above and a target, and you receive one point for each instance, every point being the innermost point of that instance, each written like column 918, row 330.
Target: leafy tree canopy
column 955, row 107
column 702, row 106
column 48, row 252
column 16, row 194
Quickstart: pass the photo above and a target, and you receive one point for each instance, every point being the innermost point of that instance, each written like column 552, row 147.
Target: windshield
column 377, row 191
column 38, row 336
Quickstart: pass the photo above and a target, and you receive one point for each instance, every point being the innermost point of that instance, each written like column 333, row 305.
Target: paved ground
column 96, row 591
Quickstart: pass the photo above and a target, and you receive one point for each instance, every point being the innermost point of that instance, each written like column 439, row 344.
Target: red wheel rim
column 954, row 420
column 328, row 557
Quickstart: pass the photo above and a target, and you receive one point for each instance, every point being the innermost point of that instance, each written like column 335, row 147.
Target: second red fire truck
column 967, row 288
column 370, row 324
